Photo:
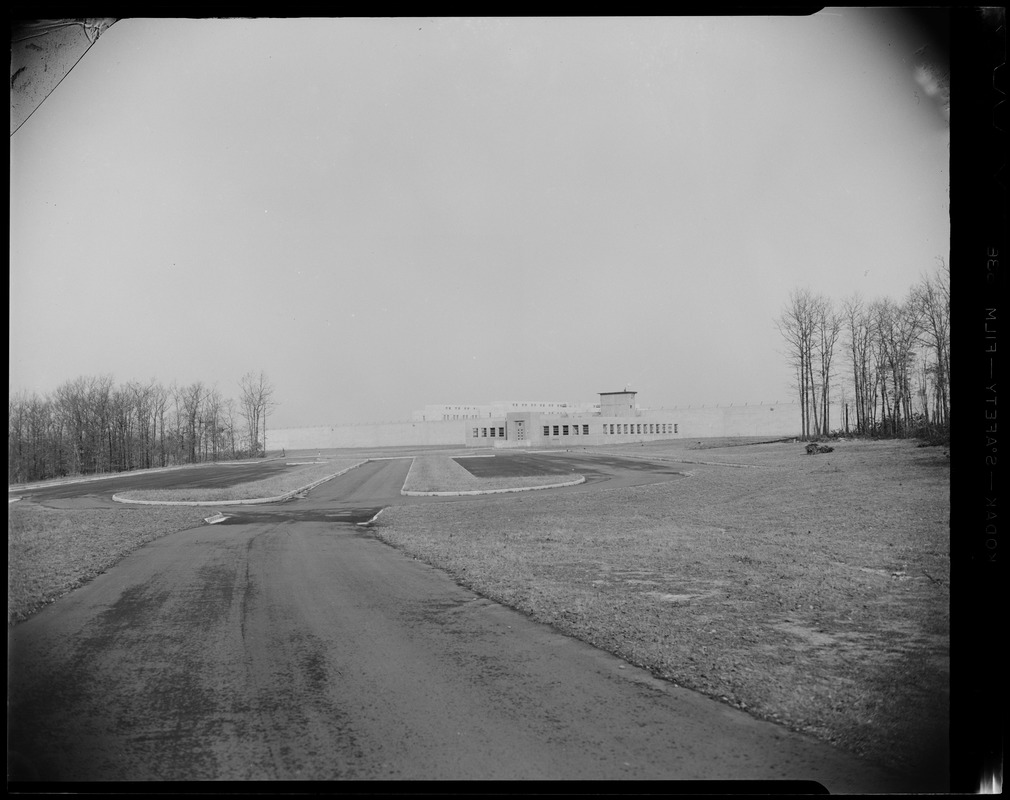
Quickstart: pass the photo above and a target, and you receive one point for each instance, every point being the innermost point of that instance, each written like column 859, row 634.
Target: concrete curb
column 117, row 498
column 408, row 493
column 369, row 522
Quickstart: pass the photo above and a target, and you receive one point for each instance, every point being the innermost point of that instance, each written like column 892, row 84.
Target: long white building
column 616, row 418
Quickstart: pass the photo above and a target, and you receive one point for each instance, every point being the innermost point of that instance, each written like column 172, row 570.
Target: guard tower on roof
column 618, row 404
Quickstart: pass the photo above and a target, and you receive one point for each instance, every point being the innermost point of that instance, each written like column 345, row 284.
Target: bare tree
column 810, row 327
column 190, row 400
column 896, row 332
column 229, row 412
column 794, row 327
column 17, row 443
column 858, row 324
column 212, row 422
column 827, row 327
column 90, row 425
column 160, row 397
column 931, row 299
column 257, row 402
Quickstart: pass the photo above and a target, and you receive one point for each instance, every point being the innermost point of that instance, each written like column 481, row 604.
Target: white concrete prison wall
column 760, row 419
column 377, row 434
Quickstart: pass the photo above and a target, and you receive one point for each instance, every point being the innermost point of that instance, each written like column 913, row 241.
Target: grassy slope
column 53, row 551
column 813, row 590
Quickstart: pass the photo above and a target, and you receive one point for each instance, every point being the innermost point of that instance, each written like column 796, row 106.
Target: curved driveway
column 290, row 644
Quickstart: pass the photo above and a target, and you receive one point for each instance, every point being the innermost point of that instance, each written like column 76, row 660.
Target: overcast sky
column 381, row 214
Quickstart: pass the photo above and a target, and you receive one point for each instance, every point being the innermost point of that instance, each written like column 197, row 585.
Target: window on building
column 501, row 433
column 626, row 428
column 611, row 427
column 476, row 433
column 555, row 430
column 675, row 428
column 547, row 430
column 492, row 433
column 483, row 432
column 585, row 430
column 575, row 429
column 564, row 430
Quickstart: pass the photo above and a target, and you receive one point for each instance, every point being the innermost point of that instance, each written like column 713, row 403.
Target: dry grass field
column 809, row 590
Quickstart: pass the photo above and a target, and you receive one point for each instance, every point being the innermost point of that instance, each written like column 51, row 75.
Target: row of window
column 575, row 430
column 477, row 432
column 641, row 427
column 621, row 427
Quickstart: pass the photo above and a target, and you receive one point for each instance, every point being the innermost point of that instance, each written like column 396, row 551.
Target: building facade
column 617, row 420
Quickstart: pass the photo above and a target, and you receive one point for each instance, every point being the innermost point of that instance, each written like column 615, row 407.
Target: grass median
column 439, row 473
column 300, row 476
column 809, row 590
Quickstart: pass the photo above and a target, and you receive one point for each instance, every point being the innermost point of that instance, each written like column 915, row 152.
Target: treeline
column 885, row 363
column 89, row 425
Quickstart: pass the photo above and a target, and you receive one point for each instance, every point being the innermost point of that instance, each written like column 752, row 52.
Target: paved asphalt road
column 290, row 644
